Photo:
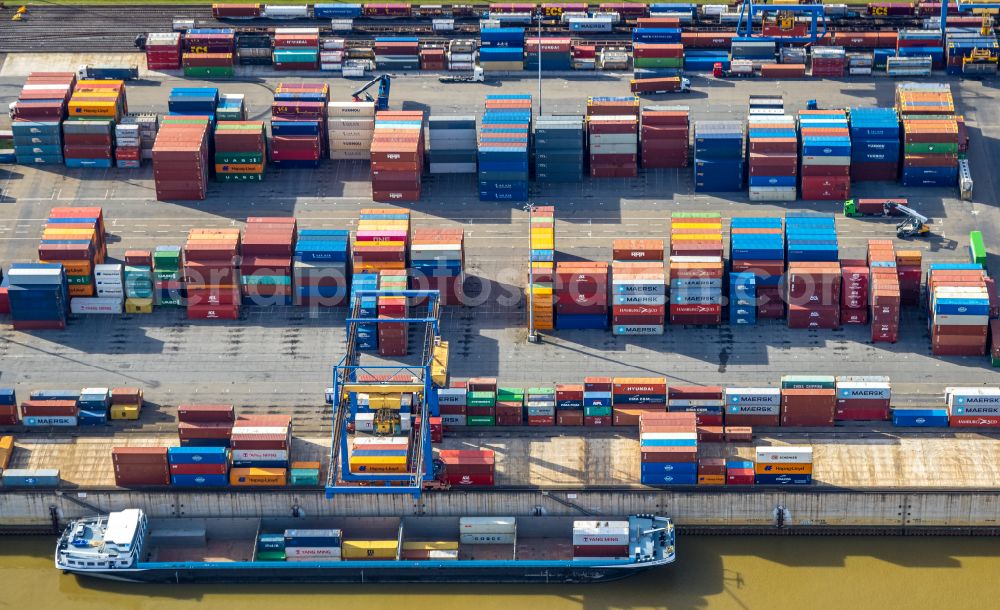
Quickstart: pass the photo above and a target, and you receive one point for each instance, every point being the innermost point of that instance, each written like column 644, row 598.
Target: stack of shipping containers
column 540, row 407
column 397, row 53
column 196, row 466
column 753, row 407
column 569, row 404
column 828, row 62
column 668, row 443
column 88, row 133
column 863, row 398
column 350, row 127
column 8, row 409
column 392, row 336
column 481, row 402
column 719, row 156
column 959, row 307
column 581, row 294
column 504, row 148
column 921, row 44
column 469, row 467
column 706, row 402
column 367, row 332
column 883, row 290
column 50, row 408
column 613, row 136
column 437, row 262
column 397, row 156
column 502, row 49
column 320, row 267
column 381, row 244
column 696, row 268
column 38, row 115
column 783, row 465
column 266, row 265
column 208, row 53
column 140, row 466
column 638, row 287
column 451, row 144
column 909, row 268
column 854, row 292
column 75, row 238
column 807, row 401
column 254, row 49
column 812, row 291
column 631, row 397
column 231, row 107
column 138, row 275
column 826, row 155
column 180, row 160
column 559, row 151
column 757, row 247
column 433, row 58
column 168, row 281
column 542, row 261
column 930, row 134
column 298, row 124
column 261, row 446
column 664, row 136
column 773, row 154
column 38, row 296
column 874, row 144
column 510, row 407
column 163, row 51
column 296, row 49
column 554, row 54
column 126, row 403
column 240, row 151
column 212, row 274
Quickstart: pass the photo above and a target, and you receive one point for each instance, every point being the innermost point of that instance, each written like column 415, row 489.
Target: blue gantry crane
column 750, row 9
column 385, row 385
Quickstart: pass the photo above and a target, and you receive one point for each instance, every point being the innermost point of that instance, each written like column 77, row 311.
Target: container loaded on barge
column 128, row 546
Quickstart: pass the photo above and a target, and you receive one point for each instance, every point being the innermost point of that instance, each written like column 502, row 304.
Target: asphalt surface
column 280, row 359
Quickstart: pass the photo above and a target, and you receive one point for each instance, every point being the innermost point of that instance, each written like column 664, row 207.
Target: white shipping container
column 381, row 440
column 252, row 430
column 350, row 109
column 487, row 525
column 750, row 408
column 453, row 420
column 273, row 11
column 350, row 155
column 600, row 533
column 313, row 552
column 864, row 390
column 96, row 305
column 451, row 396
column 753, row 396
column 261, row 455
column 783, row 455
column 960, row 320
column 638, row 299
column 638, row 330
column 486, row 538
column 49, row 420
column 695, row 402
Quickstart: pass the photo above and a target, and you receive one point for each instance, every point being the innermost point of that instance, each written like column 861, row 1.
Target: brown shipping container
column 48, row 408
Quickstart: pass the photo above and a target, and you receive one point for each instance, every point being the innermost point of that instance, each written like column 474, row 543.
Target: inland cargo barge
column 128, row 546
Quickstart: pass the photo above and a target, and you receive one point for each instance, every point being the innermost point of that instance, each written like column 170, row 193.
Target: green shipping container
column 941, row 148
column 270, row 555
column 172, row 302
column 480, row 420
column 239, row 177
column 808, row 382
column 244, row 157
column 659, row 62
column 166, row 276
column 690, row 215
column 480, row 399
column 208, row 71
column 541, row 391
column 977, row 248
column 304, row 476
column 995, row 362
column 275, row 280
column 597, row 411
column 79, row 280
column 510, row 394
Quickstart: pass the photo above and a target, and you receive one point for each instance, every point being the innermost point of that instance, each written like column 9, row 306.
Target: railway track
column 113, row 29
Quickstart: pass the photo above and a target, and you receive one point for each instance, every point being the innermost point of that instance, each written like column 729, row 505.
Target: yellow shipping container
column 97, row 109
column 73, row 267
column 369, row 549
column 138, row 305
column 697, row 237
column 783, row 468
column 445, row 545
column 239, row 168
column 58, row 231
column 258, row 477
column 125, row 412
column 439, row 364
column 6, row 450
column 713, row 226
column 378, row 266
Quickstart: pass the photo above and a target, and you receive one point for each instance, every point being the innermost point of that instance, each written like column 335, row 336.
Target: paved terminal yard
column 280, row 359
column 960, row 461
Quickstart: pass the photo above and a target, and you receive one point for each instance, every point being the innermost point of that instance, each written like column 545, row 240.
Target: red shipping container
column 752, row 420
column 596, row 421
column 740, row 476
column 206, row 413
column 48, row 408
column 974, row 421
column 199, row 468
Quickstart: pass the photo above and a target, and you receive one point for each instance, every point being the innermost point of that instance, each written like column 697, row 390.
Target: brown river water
column 711, row 572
